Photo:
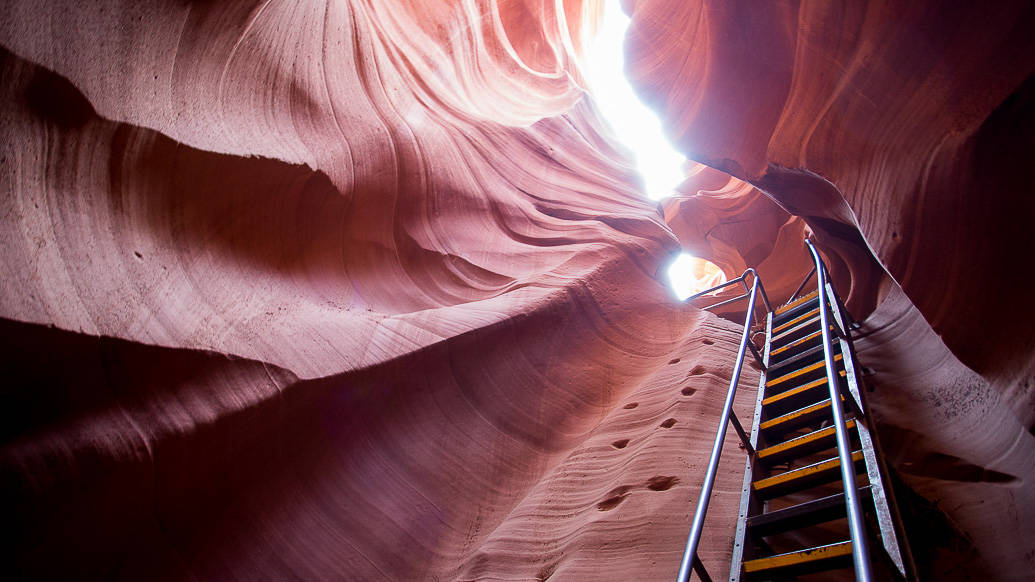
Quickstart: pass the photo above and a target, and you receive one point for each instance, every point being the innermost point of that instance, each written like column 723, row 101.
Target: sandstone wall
column 365, row 290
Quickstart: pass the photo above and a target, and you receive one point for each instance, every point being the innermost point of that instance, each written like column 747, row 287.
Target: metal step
column 804, row 515
column 795, row 333
column 802, row 478
column 805, row 561
column 799, row 396
column 798, row 304
column 797, row 359
column 801, row 374
column 798, row 447
column 807, row 340
column 808, row 315
column 774, row 427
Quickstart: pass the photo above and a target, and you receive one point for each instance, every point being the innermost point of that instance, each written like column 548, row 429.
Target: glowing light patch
column 660, row 165
column 688, row 275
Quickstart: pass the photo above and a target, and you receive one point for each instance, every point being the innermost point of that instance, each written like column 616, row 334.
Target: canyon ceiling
column 365, row 289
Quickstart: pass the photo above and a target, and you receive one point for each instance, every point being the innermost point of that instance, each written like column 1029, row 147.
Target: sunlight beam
column 634, row 124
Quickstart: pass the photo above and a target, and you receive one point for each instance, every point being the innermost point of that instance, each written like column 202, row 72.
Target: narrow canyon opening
column 637, row 127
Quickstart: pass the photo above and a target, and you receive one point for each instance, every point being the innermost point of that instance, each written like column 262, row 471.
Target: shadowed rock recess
column 366, row 290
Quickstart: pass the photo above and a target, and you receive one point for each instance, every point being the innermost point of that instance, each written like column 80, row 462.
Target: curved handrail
column 690, row 559
column 860, row 545
column 741, row 279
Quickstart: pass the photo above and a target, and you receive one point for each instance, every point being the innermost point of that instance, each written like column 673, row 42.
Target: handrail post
column 860, row 544
column 761, row 289
column 694, row 538
column 803, row 283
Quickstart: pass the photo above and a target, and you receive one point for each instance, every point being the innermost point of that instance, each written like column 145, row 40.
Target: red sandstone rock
column 362, row 291
column 874, row 120
column 902, row 135
column 306, row 291
column 735, row 226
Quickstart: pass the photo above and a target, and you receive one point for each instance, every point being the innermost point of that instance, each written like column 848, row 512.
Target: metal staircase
column 815, row 497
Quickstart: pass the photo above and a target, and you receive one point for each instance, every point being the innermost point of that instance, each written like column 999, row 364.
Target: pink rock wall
column 868, row 119
column 312, row 291
column 902, row 137
column 361, row 290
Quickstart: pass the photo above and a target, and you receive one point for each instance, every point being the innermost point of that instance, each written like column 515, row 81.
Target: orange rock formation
column 365, row 290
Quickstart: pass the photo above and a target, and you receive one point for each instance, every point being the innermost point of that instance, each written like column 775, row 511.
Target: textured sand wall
column 902, row 135
column 901, row 131
column 363, row 289
column 315, row 291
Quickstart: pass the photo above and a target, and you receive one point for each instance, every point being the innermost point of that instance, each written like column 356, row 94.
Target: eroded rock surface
column 902, row 132
column 363, row 290
column 902, row 136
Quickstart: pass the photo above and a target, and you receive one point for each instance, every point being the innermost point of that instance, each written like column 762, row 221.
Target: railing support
column 856, row 525
column 802, row 286
column 758, row 356
column 744, row 438
column 701, row 571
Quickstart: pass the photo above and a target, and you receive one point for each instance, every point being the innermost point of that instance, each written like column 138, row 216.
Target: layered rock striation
column 901, row 136
column 366, row 290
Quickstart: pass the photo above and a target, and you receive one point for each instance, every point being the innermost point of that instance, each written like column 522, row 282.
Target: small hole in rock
column 137, row 253
column 688, row 391
column 661, row 483
column 614, row 498
column 631, row 405
column 620, row 444
column 697, row 371
column 708, row 342
column 674, row 361
column 668, row 423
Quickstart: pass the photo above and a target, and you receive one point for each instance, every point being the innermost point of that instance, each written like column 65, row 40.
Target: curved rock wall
column 902, row 136
column 363, row 289
column 897, row 124
column 324, row 291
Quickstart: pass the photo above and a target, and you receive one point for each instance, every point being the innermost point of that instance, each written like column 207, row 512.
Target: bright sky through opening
column 639, row 128
column 688, row 275
column 635, row 125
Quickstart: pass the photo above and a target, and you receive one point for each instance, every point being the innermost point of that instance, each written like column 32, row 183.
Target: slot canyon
column 368, row 290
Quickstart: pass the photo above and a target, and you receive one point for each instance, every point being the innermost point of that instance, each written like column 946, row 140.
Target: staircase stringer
column 893, row 540
column 747, row 501
column 796, row 403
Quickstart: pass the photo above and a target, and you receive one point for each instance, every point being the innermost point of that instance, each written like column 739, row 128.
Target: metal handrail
column 808, row 277
column 742, row 279
column 690, row 559
column 860, row 545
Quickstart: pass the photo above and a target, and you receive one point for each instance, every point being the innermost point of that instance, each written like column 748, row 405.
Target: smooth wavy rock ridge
column 366, row 290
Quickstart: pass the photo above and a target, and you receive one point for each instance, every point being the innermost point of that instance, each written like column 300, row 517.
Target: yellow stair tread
column 796, row 342
column 802, row 371
column 796, row 302
column 803, row 472
column 801, row 318
column 792, row 416
column 796, row 391
column 806, row 556
column 802, row 440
